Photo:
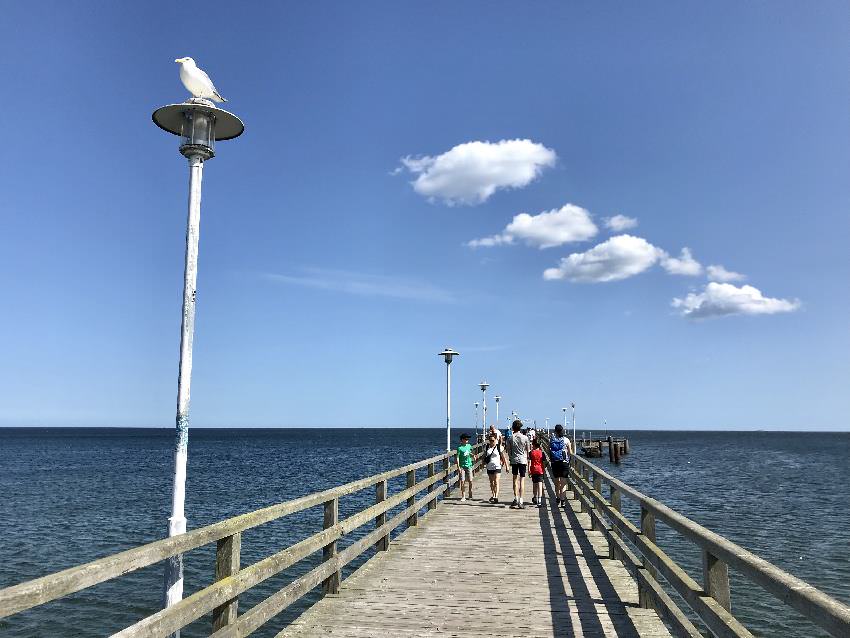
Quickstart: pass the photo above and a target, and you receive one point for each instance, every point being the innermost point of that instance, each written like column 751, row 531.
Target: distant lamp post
column 498, row 398
column 575, row 443
column 447, row 354
column 484, row 385
column 547, row 425
column 199, row 124
column 476, row 418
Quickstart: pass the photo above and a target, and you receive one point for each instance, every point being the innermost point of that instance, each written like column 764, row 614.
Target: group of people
column 521, row 450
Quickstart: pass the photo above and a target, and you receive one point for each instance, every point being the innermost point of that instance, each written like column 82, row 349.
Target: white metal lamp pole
column 447, row 354
column 483, row 385
column 498, row 398
column 476, row 418
column 575, row 443
column 200, row 124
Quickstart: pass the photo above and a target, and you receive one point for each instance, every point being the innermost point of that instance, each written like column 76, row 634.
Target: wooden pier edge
column 711, row 601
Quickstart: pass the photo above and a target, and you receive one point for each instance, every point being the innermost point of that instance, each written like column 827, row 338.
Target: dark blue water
column 73, row 495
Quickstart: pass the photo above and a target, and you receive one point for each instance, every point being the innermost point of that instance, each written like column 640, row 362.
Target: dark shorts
column 493, row 472
column 537, row 478
column 518, row 468
column 560, row 469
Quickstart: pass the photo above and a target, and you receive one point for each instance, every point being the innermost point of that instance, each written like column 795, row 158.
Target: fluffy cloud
column 470, row 173
column 718, row 300
column 684, row 264
column 617, row 258
column 716, row 272
column 619, row 223
column 551, row 228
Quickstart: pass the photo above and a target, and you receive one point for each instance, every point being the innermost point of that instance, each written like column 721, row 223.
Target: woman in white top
column 496, row 461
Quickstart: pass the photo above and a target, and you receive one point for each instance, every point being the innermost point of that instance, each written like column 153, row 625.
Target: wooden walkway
column 473, row 569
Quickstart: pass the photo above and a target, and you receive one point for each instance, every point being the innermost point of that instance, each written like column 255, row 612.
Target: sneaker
column 495, row 501
column 462, row 499
column 521, row 506
column 514, row 504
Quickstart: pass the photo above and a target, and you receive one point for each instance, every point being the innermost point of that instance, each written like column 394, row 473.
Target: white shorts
column 465, row 474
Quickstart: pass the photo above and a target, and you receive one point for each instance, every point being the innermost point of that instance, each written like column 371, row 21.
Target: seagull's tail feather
column 218, row 96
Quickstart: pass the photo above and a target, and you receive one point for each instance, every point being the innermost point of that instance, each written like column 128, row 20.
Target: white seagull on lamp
column 196, row 81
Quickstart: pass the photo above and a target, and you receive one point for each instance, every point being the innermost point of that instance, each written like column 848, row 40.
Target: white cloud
column 619, row 223
column 470, row 173
column 684, row 264
column 364, row 284
column 559, row 226
column 718, row 300
column 617, row 258
column 716, row 272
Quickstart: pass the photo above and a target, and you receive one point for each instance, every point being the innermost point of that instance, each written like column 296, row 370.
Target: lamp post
column 498, row 398
column 575, row 444
column 200, row 124
column 476, row 419
column 483, row 385
column 447, row 354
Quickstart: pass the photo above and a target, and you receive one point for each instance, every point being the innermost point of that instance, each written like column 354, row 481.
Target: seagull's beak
column 179, row 59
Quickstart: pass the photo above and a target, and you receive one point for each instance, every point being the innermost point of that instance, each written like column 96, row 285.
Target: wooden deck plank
column 474, row 569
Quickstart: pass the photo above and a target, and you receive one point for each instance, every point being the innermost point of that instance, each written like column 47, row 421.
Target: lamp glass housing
column 197, row 133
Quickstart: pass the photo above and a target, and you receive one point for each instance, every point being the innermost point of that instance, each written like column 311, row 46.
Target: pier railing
column 710, row 600
column 231, row 580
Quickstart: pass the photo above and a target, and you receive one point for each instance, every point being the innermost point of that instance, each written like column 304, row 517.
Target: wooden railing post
column 226, row 564
column 716, row 580
column 597, row 487
column 413, row 519
column 448, row 488
column 583, row 485
column 647, row 528
column 383, row 543
column 617, row 504
column 431, row 504
column 331, row 584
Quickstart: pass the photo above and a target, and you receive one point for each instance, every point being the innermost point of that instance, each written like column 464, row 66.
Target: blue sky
column 335, row 259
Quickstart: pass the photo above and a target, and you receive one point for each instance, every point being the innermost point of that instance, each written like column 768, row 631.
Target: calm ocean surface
column 73, row 495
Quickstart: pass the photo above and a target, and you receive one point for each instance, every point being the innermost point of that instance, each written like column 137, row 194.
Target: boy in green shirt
column 464, row 464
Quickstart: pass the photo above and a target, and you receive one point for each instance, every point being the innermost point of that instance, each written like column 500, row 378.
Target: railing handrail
column 822, row 609
column 32, row 593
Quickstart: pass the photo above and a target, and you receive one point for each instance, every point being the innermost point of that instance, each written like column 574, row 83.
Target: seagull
column 196, row 81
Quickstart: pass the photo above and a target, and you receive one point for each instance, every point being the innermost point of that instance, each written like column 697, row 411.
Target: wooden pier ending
column 460, row 568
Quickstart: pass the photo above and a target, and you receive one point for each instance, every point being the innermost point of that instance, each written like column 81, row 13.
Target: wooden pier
column 460, row 568
column 475, row 569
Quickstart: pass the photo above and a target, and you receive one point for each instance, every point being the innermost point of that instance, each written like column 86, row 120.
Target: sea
column 71, row 495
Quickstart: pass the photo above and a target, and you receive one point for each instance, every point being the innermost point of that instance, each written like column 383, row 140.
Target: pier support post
column 716, row 580
column 413, row 519
column 226, row 564
column 597, row 487
column 383, row 543
column 617, row 504
column 616, row 453
column 331, row 584
column 610, row 449
column 431, row 504
column 626, row 446
column 647, row 528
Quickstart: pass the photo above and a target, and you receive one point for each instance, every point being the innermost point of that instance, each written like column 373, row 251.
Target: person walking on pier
column 494, row 456
column 559, row 452
column 518, row 454
column 464, row 465
column 535, row 469
column 495, row 430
